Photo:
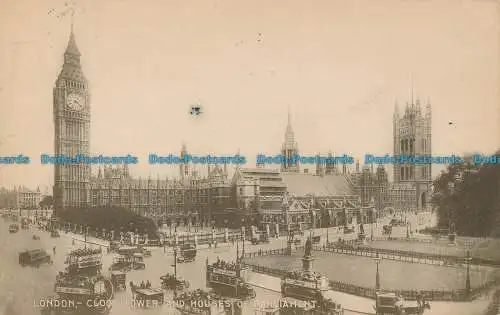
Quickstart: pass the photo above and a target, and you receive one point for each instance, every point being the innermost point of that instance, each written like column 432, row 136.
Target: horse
column 133, row 288
column 387, row 229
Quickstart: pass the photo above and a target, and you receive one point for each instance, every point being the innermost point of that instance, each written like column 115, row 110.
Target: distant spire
column 289, row 116
column 289, row 134
column 72, row 48
column 411, row 79
column 428, row 107
column 72, row 19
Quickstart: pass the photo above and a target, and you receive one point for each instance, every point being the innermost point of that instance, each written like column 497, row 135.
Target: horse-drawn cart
column 170, row 282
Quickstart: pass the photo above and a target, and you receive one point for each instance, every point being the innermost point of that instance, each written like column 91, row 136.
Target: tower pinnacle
column 411, row 79
column 289, row 148
column 72, row 19
column 72, row 48
column 289, row 117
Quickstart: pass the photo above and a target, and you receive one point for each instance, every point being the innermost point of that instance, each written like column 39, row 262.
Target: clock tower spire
column 71, row 107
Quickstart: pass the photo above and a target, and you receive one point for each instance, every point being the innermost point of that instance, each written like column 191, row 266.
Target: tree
column 469, row 196
column 110, row 218
column 47, row 201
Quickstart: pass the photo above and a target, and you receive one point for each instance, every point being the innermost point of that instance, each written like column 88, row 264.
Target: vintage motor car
column 118, row 279
column 35, row 258
column 13, row 228
column 187, row 253
column 391, row 303
column 148, row 298
column 259, row 239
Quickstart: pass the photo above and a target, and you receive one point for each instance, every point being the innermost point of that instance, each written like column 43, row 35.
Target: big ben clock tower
column 72, row 131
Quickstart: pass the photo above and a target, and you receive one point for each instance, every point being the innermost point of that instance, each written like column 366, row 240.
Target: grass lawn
column 488, row 249
column 393, row 274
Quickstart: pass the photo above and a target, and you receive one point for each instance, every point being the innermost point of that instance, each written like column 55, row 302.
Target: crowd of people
column 304, row 275
column 221, row 264
column 170, row 280
column 69, row 280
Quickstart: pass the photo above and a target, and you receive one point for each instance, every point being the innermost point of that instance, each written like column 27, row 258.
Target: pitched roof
column 302, row 184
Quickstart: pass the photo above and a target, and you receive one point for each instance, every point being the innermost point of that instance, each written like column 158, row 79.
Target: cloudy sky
column 339, row 65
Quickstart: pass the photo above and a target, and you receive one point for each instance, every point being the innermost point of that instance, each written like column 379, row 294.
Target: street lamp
column 237, row 251
column 371, row 232
column 327, row 237
column 85, row 236
column 468, row 261
column 243, row 237
column 175, row 262
column 377, row 276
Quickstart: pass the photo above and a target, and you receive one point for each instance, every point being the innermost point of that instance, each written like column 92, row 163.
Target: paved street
column 21, row 288
column 359, row 304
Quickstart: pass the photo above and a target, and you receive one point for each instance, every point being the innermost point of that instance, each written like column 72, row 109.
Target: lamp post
column 175, row 269
column 327, row 238
column 237, row 251
column 468, row 261
column 175, row 262
column 377, row 276
column 371, row 232
column 85, row 236
column 243, row 237
column 289, row 240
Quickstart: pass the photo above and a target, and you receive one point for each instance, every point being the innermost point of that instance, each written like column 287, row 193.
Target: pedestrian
column 54, row 250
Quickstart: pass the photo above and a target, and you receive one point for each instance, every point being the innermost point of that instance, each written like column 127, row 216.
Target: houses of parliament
column 332, row 195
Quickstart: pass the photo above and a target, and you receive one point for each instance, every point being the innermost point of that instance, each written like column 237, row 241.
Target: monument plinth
column 307, row 263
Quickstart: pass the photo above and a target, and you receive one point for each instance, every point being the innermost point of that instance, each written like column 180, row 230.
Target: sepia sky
column 339, row 65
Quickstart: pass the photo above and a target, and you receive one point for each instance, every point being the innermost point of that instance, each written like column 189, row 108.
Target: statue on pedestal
column 308, row 248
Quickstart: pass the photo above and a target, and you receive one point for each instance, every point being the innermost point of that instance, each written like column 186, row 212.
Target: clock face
column 75, row 101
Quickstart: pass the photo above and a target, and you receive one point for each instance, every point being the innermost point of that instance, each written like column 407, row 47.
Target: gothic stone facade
column 71, row 106
column 412, row 137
